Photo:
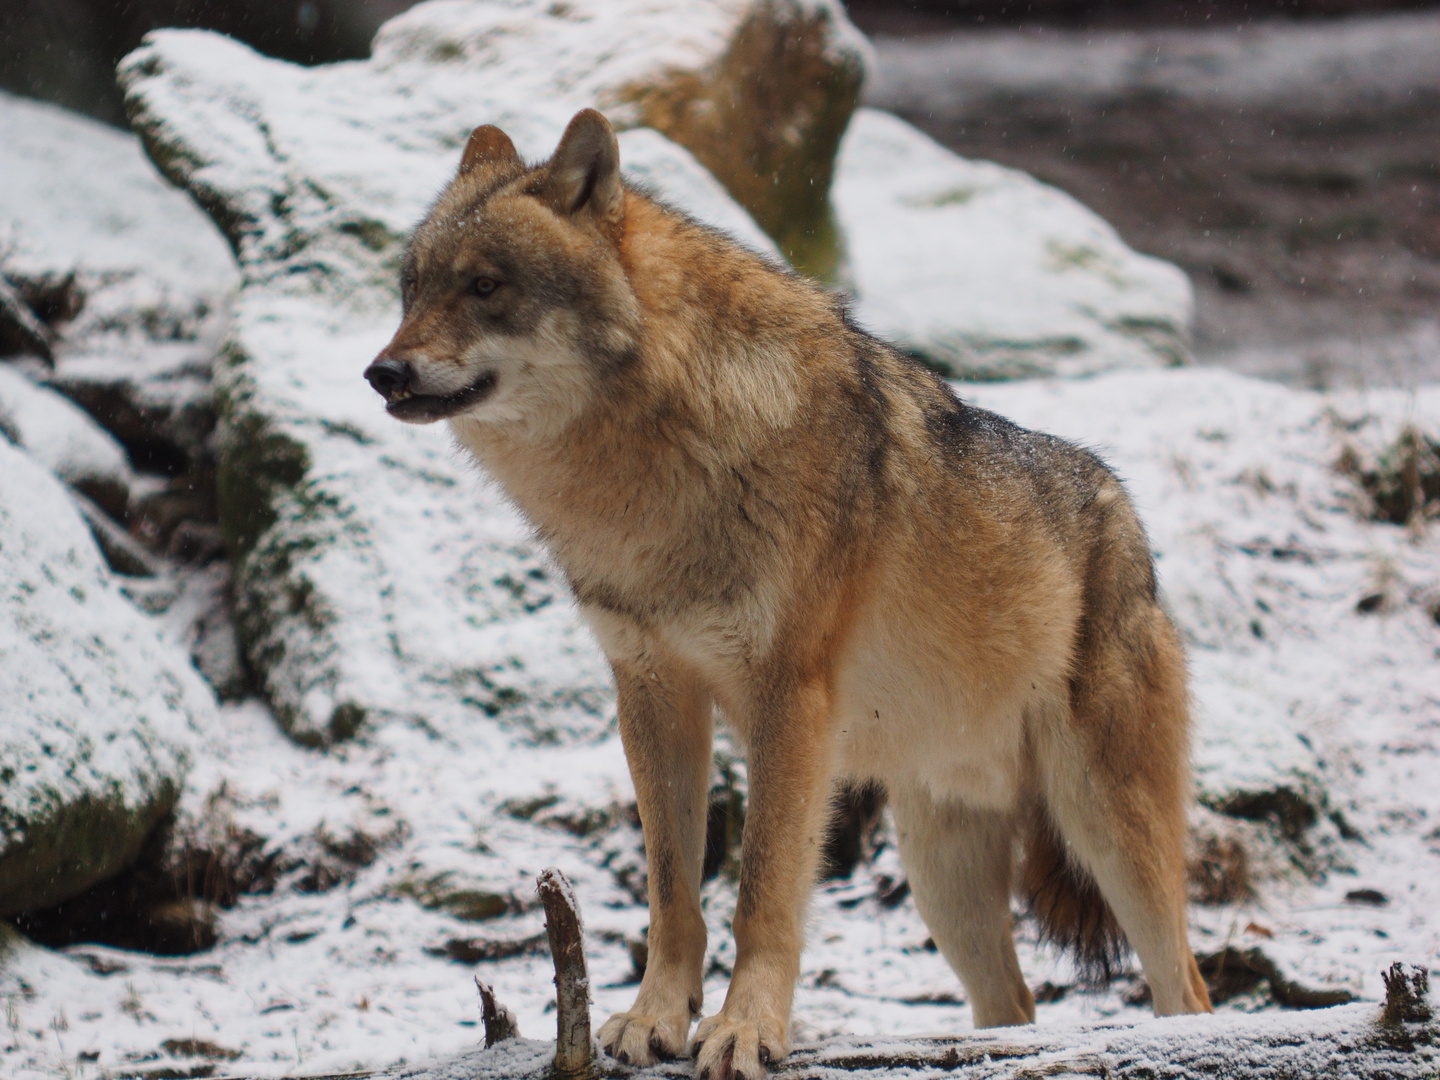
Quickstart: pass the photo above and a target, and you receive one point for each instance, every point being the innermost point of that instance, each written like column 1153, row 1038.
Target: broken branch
column 574, row 1052
column 498, row 1020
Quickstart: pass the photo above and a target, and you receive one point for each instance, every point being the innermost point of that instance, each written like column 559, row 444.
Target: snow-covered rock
column 78, row 197
column 99, row 712
column 376, row 578
column 21, row 331
column 65, row 439
column 989, row 274
column 130, row 274
column 156, row 397
column 758, row 91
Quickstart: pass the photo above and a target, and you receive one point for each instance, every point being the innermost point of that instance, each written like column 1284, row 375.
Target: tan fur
column 763, row 511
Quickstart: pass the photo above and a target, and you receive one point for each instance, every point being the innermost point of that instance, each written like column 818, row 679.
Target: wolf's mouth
column 424, row 408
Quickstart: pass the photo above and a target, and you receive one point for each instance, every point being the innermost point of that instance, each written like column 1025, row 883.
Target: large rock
column 99, row 711
column 987, row 273
column 128, row 277
column 374, row 579
column 758, row 91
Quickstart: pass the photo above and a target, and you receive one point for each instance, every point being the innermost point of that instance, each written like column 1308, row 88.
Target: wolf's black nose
column 389, row 377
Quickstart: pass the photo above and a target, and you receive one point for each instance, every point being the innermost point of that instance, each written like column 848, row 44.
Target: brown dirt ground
column 1312, row 241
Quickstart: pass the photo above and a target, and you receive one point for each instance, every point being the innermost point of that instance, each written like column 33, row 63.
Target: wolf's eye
column 484, row 286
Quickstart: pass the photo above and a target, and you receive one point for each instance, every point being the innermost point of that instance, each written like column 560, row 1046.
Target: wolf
column 767, row 514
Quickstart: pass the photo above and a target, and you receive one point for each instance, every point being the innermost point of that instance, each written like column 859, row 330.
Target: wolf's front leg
column 666, row 727
column 790, row 774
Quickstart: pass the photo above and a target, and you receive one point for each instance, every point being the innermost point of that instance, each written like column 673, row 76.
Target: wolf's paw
column 638, row 1039
column 732, row 1049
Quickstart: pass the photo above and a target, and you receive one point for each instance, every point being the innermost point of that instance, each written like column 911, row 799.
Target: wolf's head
column 516, row 305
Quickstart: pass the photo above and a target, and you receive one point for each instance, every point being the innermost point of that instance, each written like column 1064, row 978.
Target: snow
column 84, row 212
column 79, row 197
column 61, row 436
column 100, row 714
column 991, row 274
column 1288, row 1045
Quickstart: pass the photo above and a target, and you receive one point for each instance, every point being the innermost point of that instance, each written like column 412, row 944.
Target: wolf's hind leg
column 665, row 724
column 959, row 864
column 1116, row 782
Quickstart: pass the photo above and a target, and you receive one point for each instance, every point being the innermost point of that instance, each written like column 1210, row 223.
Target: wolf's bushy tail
column 1068, row 905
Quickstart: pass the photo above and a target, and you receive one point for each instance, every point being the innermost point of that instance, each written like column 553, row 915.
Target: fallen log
column 1344, row 1041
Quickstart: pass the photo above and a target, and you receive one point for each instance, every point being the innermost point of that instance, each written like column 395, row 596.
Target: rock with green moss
column 461, row 898
column 99, row 712
column 758, row 91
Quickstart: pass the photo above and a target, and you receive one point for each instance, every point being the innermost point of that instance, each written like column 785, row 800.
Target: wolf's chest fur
column 661, row 552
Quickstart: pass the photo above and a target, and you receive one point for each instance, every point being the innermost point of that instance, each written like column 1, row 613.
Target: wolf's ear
column 584, row 172
column 488, row 145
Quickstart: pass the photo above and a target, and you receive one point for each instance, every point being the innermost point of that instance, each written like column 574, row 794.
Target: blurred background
column 65, row 51
column 1285, row 153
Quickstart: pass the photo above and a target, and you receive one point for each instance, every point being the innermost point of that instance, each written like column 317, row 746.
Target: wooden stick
column 499, row 1021
column 574, row 1052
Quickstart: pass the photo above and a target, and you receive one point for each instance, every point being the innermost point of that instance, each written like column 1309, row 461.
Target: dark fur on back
column 1067, row 904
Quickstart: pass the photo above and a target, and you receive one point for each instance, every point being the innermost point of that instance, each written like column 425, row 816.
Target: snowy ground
column 1263, row 557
